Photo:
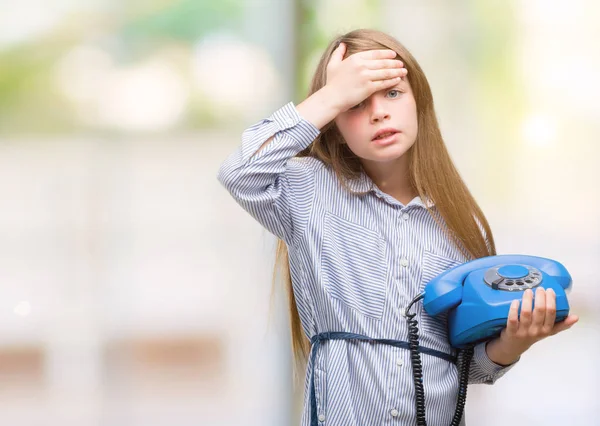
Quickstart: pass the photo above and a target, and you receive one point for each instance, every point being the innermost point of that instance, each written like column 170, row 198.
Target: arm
column 485, row 367
column 259, row 174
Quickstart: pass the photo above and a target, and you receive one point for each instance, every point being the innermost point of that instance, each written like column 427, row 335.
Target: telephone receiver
column 477, row 294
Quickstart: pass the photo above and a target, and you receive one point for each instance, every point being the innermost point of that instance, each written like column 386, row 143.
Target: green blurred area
column 31, row 102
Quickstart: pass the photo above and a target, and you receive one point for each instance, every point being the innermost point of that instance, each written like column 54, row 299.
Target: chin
column 389, row 155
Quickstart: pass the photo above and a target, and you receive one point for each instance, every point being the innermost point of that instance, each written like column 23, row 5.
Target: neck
column 392, row 178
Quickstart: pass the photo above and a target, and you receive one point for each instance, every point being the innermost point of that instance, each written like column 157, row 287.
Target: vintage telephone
column 477, row 296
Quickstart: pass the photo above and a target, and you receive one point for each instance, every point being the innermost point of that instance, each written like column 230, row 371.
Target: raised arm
column 262, row 174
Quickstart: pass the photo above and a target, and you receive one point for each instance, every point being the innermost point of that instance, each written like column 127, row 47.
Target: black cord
column 465, row 356
column 415, row 359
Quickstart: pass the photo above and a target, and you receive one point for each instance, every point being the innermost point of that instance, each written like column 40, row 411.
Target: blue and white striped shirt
column 356, row 262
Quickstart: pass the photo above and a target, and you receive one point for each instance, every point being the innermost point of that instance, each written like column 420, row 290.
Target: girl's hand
column 534, row 324
column 355, row 78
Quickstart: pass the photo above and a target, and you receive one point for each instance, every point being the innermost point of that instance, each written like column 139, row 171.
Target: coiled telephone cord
column 465, row 358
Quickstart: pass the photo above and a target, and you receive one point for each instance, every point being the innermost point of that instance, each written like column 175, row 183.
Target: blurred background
column 134, row 291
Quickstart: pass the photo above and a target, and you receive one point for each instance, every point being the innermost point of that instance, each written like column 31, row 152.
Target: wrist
column 502, row 353
column 321, row 107
column 333, row 99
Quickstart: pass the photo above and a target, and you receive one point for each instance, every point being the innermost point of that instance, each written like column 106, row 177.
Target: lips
column 382, row 133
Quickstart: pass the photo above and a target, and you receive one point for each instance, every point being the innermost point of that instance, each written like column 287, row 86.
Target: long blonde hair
column 431, row 170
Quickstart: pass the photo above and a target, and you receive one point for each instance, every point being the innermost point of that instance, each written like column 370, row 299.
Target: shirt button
column 289, row 122
column 399, row 362
column 394, row 413
column 404, row 262
column 321, row 417
column 405, row 216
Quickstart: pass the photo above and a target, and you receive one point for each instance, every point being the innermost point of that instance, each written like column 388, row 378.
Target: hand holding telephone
column 478, row 294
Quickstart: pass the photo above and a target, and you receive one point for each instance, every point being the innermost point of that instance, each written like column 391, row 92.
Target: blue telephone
column 477, row 296
column 478, row 293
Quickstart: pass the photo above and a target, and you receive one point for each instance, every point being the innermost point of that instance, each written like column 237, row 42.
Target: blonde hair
column 431, row 170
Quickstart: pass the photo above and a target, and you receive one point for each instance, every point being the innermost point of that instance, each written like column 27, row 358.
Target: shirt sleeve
column 483, row 369
column 271, row 185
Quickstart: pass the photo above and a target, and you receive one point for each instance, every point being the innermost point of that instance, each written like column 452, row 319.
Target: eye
column 398, row 92
column 356, row 106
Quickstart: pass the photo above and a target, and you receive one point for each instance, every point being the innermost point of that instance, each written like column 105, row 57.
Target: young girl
column 360, row 189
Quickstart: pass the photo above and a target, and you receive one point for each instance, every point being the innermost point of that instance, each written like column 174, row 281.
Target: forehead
column 403, row 85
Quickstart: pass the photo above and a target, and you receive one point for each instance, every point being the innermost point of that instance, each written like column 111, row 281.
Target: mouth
column 384, row 134
column 385, row 137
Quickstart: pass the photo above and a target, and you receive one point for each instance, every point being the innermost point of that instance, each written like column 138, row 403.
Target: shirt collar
column 363, row 183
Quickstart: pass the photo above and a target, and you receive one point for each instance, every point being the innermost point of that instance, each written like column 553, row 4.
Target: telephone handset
column 478, row 294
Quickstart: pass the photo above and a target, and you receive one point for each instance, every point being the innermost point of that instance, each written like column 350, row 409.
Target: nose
column 378, row 110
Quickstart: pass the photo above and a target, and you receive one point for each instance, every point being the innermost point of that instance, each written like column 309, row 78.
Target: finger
column 526, row 308
column 550, row 310
column 539, row 310
column 338, row 54
column 571, row 320
column 376, row 64
column 378, row 54
column 565, row 325
column 384, row 84
column 341, row 49
column 386, row 74
column 512, row 323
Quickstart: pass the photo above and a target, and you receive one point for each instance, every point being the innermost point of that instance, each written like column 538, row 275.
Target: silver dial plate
column 496, row 281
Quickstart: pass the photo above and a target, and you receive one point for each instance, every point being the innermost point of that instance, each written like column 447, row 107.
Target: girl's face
column 394, row 109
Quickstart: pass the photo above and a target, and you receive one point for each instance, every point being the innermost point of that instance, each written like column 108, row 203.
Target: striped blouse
column 356, row 262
